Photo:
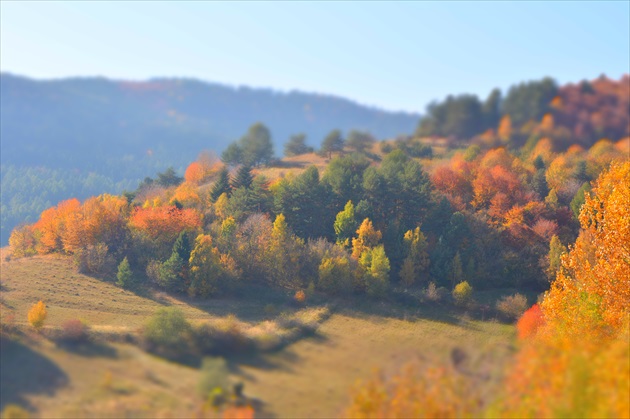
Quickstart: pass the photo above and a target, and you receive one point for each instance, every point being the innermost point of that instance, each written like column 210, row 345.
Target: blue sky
column 396, row 56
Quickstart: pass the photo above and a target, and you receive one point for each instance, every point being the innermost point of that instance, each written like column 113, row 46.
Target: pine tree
column 333, row 142
column 124, row 275
column 182, row 247
column 539, row 163
column 170, row 273
column 243, row 178
column 539, row 183
column 296, row 146
column 222, row 185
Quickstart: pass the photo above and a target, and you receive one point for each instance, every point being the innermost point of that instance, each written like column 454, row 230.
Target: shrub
column 529, row 322
column 74, row 331
column 226, row 336
column 168, row 333
column 335, row 275
column 462, row 293
column 153, row 270
column 230, row 335
column 92, row 259
column 214, row 375
column 37, row 315
column 13, row 411
column 512, row 306
column 386, row 147
column 239, row 412
column 300, row 297
column 417, row 392
column 377, row 268
column 431, row 293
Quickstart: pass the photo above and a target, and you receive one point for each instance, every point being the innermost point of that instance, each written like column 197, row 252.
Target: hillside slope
column 120, row 380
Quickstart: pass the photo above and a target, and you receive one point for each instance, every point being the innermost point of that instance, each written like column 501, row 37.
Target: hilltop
column 102, row 125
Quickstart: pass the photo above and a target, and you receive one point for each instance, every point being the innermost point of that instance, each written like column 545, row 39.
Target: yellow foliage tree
column 367, row 238
column 37, row 315
column 504, row 130
column 417, row 257
column 220, row 207
column 186, row 194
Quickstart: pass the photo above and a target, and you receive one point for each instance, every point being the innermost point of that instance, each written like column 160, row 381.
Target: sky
column 392, row 55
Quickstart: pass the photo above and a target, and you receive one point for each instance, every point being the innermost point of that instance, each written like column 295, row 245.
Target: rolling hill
column 85, row 136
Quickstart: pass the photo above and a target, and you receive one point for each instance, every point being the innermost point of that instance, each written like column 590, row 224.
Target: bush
column 227, row 336
column 92, row 259
column 386, row 148
column 168, row 333
column 335, row 275
column 512, row 306
column 300, row 297
column 74, row 331
column 153, row 270
column 431, row 293
column 462, row 293
column 530, row 322
column 37, row 315
column 13, row 411
column 214, row 375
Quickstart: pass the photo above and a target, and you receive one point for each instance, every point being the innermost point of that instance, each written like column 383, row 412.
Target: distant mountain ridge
column 80, row 137
column 96, row 124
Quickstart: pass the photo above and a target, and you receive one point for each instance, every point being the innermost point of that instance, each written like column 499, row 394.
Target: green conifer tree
column 124, row 275
column 222, row 185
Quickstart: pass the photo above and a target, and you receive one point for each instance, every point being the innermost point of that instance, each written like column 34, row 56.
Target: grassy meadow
column 311, row 377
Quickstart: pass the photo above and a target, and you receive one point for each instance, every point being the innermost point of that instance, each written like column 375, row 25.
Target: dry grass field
column 309, row 378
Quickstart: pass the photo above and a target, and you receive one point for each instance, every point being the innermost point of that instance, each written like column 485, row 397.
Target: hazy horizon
column 394, row 56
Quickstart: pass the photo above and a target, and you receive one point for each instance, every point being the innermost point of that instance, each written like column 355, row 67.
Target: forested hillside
column 418, row 222
column 581, row 113
column 79, row 137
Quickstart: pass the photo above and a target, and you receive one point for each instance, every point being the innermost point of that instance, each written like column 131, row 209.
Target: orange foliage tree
column 164, row 224
column 593, row 288
column 52, row 225
column 577, row 363
column 101, row 219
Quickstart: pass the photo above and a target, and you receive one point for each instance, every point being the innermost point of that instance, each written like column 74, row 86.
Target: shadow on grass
column 401, row 309
column 251, row 304
column 95, row 349
column 280, row 164
column 408, row 308
column 26, row 372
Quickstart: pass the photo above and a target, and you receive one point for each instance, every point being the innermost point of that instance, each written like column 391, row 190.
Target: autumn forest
column 514, row 207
